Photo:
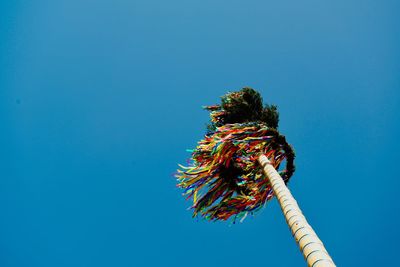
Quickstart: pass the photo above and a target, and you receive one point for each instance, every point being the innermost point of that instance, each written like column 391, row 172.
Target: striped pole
column 310, row 245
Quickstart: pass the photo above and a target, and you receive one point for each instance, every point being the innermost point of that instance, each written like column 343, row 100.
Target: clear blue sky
column 100, row 99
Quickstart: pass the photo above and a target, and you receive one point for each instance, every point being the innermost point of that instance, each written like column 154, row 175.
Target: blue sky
column 100, row 99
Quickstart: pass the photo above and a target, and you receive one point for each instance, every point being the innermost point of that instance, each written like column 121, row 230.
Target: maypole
column 235, row 169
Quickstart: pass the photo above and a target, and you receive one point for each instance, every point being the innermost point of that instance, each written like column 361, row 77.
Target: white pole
column 310, row 245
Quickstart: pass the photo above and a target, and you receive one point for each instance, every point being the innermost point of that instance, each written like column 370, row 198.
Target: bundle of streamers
column 224, row 178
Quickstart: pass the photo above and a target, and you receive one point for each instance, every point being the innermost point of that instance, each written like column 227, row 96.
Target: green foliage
column 243, row 106
column 270, row 116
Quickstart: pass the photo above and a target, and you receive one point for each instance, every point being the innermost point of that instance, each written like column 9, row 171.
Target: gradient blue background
column 100, row 99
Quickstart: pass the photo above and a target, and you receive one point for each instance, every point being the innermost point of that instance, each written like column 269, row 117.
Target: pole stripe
column 330, row 262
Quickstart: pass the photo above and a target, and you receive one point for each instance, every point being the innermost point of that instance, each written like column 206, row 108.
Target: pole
column 310, row 245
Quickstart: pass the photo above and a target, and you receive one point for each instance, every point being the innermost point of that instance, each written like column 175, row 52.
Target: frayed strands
column 225, row 179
